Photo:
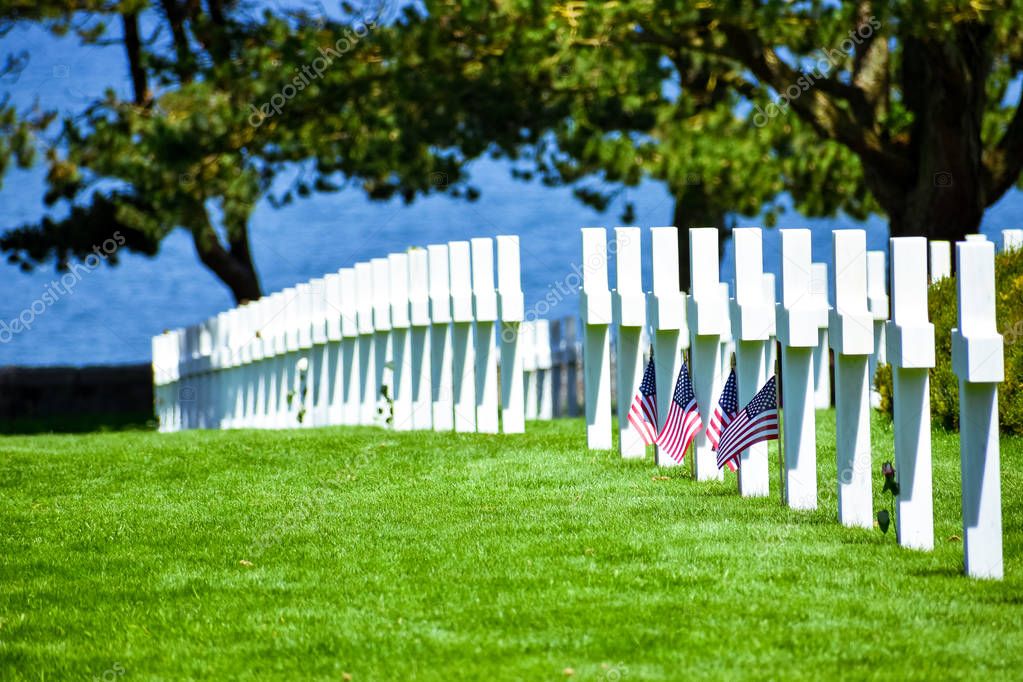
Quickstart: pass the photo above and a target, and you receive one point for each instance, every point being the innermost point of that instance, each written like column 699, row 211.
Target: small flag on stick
column 755, row 423
column 724, row 413
column 683, row 421
column 643, row 412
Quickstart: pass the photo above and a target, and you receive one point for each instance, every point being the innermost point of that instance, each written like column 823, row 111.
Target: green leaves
column 623, row 99
column 241, row 99
column 732, row 106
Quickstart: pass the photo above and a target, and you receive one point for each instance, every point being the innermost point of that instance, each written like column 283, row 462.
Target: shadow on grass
column 79, row 423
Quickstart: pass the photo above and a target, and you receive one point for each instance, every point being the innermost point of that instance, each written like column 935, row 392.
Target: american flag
column 756, row 423
column 683, row 421
column 643, row 412
column 724, row 413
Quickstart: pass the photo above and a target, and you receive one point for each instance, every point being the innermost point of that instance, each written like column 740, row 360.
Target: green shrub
column 941, row 303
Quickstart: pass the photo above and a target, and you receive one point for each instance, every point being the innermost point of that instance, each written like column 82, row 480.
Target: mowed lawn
column 367, row 555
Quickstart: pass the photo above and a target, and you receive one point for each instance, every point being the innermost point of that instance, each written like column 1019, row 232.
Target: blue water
column 111, row 313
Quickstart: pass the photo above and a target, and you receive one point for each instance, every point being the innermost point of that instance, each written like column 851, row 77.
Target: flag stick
column 777, row 401
column 691, row 448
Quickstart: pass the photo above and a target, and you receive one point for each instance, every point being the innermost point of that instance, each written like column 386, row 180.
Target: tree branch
column 237, row 273
column 870, row 64
column 818, row 105
column 133, row 47
column 176, row 19
column 836, row 110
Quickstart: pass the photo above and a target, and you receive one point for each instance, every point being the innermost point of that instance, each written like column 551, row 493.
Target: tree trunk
column 944, row 211
column 943, row 84
column 233, row 267
column 693, row 208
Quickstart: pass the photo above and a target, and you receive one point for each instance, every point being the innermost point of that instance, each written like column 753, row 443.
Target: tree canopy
column 915, row 93
column 866, row 107
column 896, row 108
column 222, row 102
column 619, row 110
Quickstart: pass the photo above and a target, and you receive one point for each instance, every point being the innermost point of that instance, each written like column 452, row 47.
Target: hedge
column 941, row 302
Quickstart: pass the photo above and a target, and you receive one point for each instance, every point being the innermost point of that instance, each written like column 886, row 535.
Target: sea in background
column 112, row 313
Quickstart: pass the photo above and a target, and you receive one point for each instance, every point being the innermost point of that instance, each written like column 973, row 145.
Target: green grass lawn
column 312, row 554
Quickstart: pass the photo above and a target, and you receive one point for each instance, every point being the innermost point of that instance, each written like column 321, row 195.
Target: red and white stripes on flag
column 643, row 412
column 724, row 412
column 683, row 421
column 755, row 423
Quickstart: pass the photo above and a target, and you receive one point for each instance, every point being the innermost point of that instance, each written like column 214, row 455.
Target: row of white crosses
column 411, row 340
column 858, row 331
column 674, row 322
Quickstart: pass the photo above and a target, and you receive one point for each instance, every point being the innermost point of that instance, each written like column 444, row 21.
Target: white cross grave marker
column 351, row 348
column 707, row 316
column 463, row 354
column 440, row 339
column 911, row 352
column 224, row 381
column 666, row 315
column 335, row 392
column 511, row 309
column 382, row 338
column 401, row 372
column 205, row 393
column 977, row 359
column 245, row 359
column 237, row 399
column 262, row 350
column 259, row 349
column 176, row 354
column 852, row 339
column 289, row 359
column 1012, row 239
column 269, row 333
column 484, row 296
column 192, row 390
column 305, row 374
column 797, row 333
column 752, row 324
column 246, row 371
column 368, row 388
column 941, row 260
column 162, row 379
column 320, row 355
column 629, row 313
column 420, row 360
column 595, row 310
